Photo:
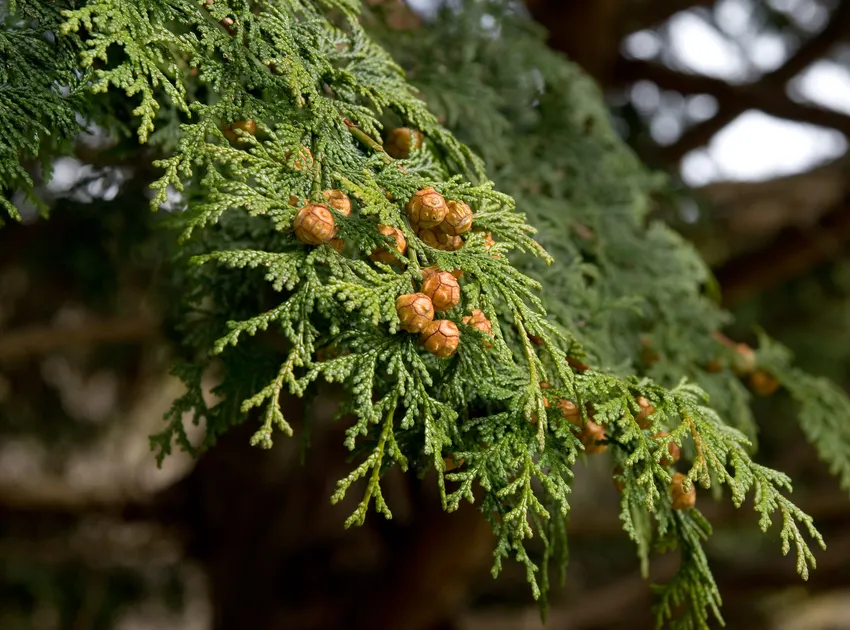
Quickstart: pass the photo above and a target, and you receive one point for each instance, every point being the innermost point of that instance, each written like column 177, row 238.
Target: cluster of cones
column 440, row 292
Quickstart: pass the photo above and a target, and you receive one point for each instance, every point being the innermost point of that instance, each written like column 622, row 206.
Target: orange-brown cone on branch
column 401, row 141
column 248, row 126
column 433, row 237
column 763, row 384
column 314, row 224
column 383, row 255
column 458, row 218
column 443, row 289
column 338, row 200
column 426, row 209
column 415, row 311
column 591, row 433
column 682, row 500
column 440, row 338
column 479, row 321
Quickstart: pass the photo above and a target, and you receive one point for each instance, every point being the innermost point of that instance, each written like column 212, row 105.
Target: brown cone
column 314, row 224
column 443, row 289
column 441, row 338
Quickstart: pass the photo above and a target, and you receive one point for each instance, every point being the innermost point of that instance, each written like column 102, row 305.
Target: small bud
column 441, row 338
column 415, row 311
column 443, row 290
column 338, row 200
column 401, row 141
column 426, row 209
column 458, row 218
column 383, row 255
column 682, row 500
column 314, row 224
column 338, row 244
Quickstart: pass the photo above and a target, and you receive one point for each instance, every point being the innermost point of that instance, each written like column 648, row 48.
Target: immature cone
column 437, row 239
column 248, row 126
column 646, row 410
column 338, row 200
column 763, row 383
column 458, row 218
column 415, row 310
column 383, row 255
column 672, row 448
column 682, row 500
column 488, row 240
column 314, row 224
column 401, row 141
column 338, row 244
column 443, row 290
column 426, row 209
column 304, row 159
column 440, row 338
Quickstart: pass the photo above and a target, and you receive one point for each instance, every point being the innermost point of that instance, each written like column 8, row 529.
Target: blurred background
column 745, row 103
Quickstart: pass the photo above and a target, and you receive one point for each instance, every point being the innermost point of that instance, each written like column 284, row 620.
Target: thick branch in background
column 768, row 93
column 36, row 340
column 790, row 255
column 744, row 97
column 643, row 14
column 772, row 231
column 590, row 33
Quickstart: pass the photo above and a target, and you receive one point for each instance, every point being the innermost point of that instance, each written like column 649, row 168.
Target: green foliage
column 41, row 92
column 269, row 317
